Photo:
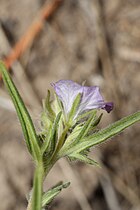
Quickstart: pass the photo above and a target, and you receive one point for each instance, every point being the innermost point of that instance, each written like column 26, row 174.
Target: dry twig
column 20, row 74
column 46, row 11
column 103, row 49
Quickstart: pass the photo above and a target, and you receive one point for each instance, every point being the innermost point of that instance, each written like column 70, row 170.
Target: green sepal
column 41, row 138
column 58, row 106
column 47, row 107
column 97, row 120
column 74, row 133
column 94, row 124
column 86, row 114
column 82, row 132
column 74, row 109
column 104, row 134
column 24, row 117
column 85, row 128
column 46, row 122
column 50, row 143
column 52, row 193
column 83, row 158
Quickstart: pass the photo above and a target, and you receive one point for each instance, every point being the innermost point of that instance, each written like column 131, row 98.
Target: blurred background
column 97, row 41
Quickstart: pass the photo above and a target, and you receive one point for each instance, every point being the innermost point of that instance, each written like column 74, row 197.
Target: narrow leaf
column 52, row 193
column 94, row 125
column 97, row 120
column 72, row 136
column 51, row 141
column 83, row 131
column 83, row 158
column 104, row 134
column 85, row 128
column 24, row 117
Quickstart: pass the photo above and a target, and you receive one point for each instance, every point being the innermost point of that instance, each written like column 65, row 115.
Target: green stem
column 62, row 138
column 35, row 202
column 54, row 156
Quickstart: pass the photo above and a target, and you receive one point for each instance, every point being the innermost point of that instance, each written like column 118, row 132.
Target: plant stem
column 59, row 146
column 35, row 202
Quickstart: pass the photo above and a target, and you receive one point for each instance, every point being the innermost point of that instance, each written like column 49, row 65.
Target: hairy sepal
column 82, row 131
column 72, row 114
column 79, row 133
column 50, row 143
column 83, row 158
column 48, row 108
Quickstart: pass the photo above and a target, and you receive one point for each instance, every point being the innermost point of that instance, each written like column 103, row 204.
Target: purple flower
column 91, row 98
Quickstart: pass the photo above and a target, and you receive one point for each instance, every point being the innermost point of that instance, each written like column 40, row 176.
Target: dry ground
column 85, row 40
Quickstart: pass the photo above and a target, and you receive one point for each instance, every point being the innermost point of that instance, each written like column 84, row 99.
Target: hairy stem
column 35, row 202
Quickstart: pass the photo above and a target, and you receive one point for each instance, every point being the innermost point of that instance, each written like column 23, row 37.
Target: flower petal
column 67, row 90
column 91, row 99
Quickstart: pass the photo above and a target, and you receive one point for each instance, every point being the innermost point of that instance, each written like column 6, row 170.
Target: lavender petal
column 67, row 90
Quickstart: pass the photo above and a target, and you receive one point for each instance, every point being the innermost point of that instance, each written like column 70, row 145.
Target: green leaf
column 94, row 125
column 37, row 188
column 97, row 120
column 57, row 104
column 83, row 158
column 46, row 122
column 52, row 193
column 24, row 117
column 51, row 141
column 72, row 136
column 86, row 114
column 104, row 134
column 85, row 128
column 83, row 131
